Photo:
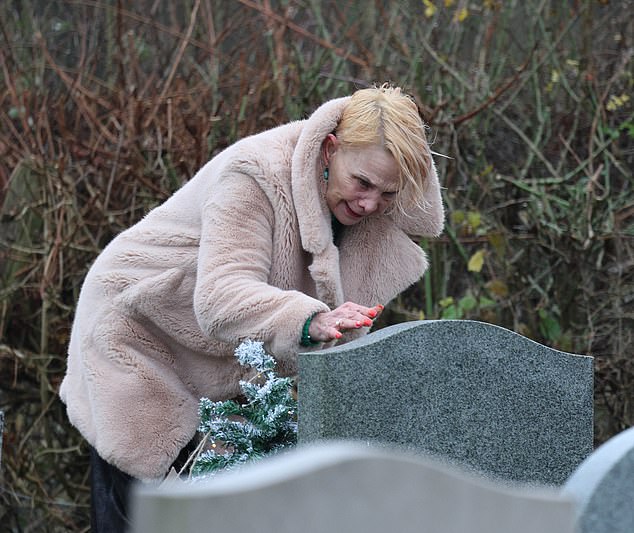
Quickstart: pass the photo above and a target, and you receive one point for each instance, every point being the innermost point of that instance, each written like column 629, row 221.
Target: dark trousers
column 110, row 489
column 110, row 492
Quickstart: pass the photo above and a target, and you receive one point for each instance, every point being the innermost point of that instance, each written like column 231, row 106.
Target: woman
column 294, row 237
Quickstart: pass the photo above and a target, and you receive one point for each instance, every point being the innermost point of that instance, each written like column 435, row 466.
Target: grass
column 106, row 108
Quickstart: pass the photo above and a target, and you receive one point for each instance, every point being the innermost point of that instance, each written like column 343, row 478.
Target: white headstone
column 348, row 488
column 603, row 487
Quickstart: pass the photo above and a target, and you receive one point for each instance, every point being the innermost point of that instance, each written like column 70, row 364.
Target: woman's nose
column 370, row 203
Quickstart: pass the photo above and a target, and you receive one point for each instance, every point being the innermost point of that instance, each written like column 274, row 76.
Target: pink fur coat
column 244, row 250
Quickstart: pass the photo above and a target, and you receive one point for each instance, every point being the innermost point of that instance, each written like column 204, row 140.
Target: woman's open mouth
column 350, row 212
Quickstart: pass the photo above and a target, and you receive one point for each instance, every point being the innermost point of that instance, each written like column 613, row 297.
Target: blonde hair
column 385, row 116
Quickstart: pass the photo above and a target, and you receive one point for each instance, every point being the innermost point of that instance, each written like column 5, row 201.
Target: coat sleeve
column 233, row 299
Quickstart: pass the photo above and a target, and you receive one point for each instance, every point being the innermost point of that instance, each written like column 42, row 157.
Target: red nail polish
column 372, row 313
column 339, row 335
column 358, row 324
column 367, row 322
column 381, row 307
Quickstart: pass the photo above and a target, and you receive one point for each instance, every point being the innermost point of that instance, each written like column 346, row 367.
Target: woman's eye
column 364, row 184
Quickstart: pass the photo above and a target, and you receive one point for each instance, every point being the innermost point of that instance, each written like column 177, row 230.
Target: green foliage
column 468, row 304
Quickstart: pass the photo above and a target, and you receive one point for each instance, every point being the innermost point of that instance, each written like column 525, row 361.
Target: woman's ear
column 329, row 147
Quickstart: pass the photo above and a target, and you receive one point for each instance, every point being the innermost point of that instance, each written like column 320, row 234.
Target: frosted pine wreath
column 233, row 432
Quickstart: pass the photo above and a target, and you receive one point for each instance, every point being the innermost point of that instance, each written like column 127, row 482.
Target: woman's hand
column 328, row 326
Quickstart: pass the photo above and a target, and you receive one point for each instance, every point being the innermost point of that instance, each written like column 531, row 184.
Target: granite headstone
column 603, row 487
column 471, row 393
column 348, row 488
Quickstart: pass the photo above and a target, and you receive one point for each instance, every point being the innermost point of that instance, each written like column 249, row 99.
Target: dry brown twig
column 498, row 93
column 305, row 33
column 177, row 59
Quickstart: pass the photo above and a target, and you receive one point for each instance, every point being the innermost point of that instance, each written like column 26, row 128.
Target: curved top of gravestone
column 435, row 331
column 603, row 486
column 348, row 487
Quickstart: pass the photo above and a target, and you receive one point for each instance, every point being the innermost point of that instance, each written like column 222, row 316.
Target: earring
column 326, row 174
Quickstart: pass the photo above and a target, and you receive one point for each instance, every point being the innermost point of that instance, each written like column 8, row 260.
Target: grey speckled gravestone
column 470, row 393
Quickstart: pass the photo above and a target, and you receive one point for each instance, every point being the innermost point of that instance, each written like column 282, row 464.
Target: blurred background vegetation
column 107, row 107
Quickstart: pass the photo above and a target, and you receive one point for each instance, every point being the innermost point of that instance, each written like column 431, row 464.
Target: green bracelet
column 306, row 340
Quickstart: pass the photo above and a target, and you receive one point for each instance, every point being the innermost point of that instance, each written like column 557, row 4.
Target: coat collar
column 308, row 188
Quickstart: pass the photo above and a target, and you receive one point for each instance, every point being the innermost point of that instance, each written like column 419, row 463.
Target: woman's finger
column 357, row 313
column 329, row 325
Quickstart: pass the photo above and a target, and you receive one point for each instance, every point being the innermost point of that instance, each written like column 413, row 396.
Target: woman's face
column 361, row 181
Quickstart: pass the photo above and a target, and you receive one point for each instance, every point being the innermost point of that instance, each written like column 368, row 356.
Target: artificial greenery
column 244, row 431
